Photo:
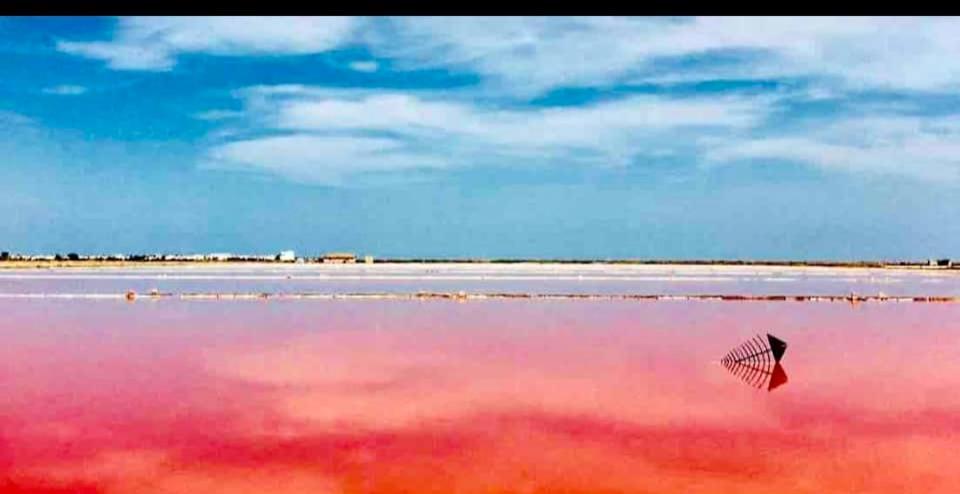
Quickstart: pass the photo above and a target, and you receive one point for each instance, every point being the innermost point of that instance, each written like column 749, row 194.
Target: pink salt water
column 478, row 396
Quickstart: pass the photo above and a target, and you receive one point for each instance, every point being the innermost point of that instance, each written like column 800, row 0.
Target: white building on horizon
column 287, row 256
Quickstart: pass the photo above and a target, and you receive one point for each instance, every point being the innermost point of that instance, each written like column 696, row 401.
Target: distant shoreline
column 100, row 263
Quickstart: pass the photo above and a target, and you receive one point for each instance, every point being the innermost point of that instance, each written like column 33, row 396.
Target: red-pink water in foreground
column 484, row 396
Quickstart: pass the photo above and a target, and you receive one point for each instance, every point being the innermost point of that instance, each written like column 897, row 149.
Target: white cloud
column 524, row 56
column 217, row 114
column 320, row 159
column 153, row 43
column 532, row 55
column 335, row 135
column 65, row 90
column 589, row 125
column 365, row 65
column 923, row 148
column 329, row 137
column 121, row 56
column 15, row 119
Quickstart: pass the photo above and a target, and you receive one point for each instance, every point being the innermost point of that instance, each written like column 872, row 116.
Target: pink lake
column 488, row 396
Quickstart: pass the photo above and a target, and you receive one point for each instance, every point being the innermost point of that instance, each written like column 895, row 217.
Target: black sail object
column 755, row 350
column 777, row 346
column 757, row 362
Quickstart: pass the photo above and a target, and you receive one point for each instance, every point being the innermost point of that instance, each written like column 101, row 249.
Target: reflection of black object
column 758, row 376
column 757, row 363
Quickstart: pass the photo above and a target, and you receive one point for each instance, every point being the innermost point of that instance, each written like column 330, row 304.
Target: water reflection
column 389, row 397
column 758, row 376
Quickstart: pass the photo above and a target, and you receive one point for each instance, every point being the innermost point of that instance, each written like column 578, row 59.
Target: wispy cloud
column 153, row 43
column 365, row 66
column 542, row 53
column 14, row 119
column 334, row 135
column 217, row 114
column 330, row 137
column 529, row 55
column 65, row 90
column 924, row 148
column 323, row 159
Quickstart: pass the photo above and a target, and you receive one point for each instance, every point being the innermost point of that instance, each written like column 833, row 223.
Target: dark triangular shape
column 777, row 346
column 778, row 377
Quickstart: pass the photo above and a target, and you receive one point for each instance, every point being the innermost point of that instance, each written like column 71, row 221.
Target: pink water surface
column 173, row 396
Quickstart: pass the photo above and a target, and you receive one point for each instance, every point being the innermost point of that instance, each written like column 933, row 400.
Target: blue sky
column 764, row 138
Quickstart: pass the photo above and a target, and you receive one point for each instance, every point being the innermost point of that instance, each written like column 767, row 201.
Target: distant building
column 368, row 259
column 287, row 256
column 339, row 258
column 219, row 256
